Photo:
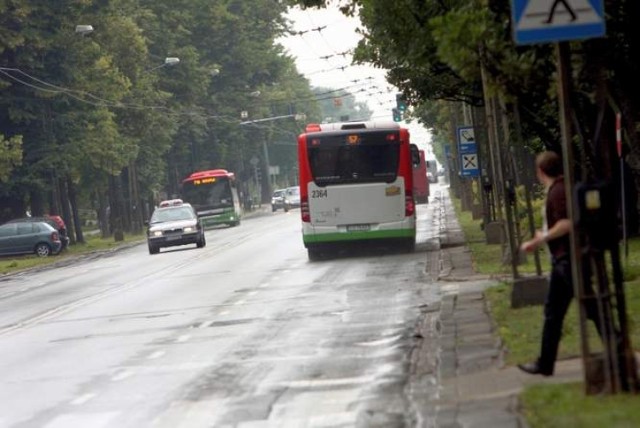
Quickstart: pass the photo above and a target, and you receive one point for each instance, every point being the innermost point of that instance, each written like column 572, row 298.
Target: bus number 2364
column 315, row 194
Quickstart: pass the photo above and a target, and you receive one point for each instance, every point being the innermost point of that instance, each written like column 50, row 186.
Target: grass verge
column 92, row 243
column 520, row 331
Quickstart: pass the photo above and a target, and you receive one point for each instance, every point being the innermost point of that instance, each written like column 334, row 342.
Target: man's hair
column 549, row 163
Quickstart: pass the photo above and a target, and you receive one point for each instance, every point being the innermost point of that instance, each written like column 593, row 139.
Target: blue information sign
column 468, row 152
column 540, row 21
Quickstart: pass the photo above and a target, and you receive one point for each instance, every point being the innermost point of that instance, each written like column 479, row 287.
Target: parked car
column 173, row 223
column 54, row 221
column 292, row 198
column 26, row 237
column 277, row 199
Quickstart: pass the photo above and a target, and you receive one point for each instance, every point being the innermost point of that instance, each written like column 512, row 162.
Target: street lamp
column 168, row 61
column 84, row 29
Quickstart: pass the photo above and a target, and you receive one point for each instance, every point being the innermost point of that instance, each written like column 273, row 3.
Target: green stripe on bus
column 220, row 218
column 358, row 236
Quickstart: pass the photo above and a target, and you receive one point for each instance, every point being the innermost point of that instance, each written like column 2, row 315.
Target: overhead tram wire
column 101, row 102
column 52, row 88
column 96, row 101
column 334, row 51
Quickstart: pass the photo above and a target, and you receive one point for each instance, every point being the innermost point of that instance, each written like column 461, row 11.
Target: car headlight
column 188, row 229
column 156, row 233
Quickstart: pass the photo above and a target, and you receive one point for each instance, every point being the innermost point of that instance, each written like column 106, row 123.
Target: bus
column 356, row 185
column 214, row 196
column 420, row 181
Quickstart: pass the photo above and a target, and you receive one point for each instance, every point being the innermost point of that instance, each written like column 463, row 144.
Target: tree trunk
column 103, row 214
column 71, row 188
column 37, row 203
column 66, row 211
column 115, row 202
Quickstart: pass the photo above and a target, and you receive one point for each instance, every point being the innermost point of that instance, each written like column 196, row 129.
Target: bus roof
column 209, row 173
column 347, row 126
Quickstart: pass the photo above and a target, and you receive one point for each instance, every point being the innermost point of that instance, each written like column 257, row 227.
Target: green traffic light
column 401, row 102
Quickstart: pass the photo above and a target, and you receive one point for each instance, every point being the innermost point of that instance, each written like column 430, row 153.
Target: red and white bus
column 420, row 180
column 356, row 185
column 214, row 196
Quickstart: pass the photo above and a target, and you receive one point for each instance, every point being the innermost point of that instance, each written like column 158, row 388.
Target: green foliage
column 547, row 405
column 10, row 155
column 105, row 104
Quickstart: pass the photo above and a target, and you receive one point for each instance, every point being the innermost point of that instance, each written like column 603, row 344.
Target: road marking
column 122, row 375
column 94, row 420
column 183, row 338
column 82, row 399
column 323, row 383
column 206, row 324
column 156, row 355
column 381, row 342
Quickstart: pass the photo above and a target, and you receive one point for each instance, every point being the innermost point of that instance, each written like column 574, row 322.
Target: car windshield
column 172, row 214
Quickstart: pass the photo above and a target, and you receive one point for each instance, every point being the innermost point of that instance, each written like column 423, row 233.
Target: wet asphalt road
column 245, row 332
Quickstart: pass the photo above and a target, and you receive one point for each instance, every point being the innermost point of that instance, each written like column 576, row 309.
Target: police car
column 174, row 223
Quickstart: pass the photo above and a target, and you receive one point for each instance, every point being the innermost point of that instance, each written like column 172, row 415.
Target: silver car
column 277, row 199
column 292, row 198
column 174, row 223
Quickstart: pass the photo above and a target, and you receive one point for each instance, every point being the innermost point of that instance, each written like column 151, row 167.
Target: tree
column 10, row 156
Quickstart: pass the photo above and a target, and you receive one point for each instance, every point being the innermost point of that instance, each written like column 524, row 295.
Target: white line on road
column 122, row 375
column 82, row 399
column 206, row 324
column 156, row 355
column 94, row 420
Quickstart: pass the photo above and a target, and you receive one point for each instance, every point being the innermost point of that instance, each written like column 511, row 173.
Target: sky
column 322, row 50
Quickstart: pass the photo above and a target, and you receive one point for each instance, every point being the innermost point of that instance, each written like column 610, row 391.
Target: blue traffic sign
column 468, row 152
column 540, row 21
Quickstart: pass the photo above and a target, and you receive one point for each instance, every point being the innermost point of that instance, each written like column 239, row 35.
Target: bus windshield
column 208, row 192
column 354, row 158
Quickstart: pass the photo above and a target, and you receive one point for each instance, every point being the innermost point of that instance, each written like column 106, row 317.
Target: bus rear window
column 344, row 158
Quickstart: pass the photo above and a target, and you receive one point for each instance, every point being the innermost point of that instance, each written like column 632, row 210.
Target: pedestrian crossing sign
column 541, row 21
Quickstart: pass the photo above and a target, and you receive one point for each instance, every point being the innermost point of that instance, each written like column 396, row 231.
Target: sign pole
column 623, row 201
column 563, row 58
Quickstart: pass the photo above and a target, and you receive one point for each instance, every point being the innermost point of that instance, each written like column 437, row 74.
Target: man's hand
column 538, row 239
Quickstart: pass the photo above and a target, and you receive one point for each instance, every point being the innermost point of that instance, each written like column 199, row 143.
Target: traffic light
column 401, row 102
column 397, row 115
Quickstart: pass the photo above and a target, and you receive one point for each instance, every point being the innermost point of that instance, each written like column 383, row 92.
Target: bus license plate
column 358, row 227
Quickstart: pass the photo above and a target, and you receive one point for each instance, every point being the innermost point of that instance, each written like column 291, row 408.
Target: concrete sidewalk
column 476, row 388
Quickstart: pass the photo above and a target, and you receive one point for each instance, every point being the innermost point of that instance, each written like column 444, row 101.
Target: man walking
column 555, row 233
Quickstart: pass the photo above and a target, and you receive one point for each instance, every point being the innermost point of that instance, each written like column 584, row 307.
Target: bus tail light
column 304, row 209
column 409, row 205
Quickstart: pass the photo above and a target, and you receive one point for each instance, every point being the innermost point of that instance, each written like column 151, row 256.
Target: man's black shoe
column 534, row 368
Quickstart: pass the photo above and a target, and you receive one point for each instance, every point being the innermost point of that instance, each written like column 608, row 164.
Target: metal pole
column 623, row 204
column 562, row 57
